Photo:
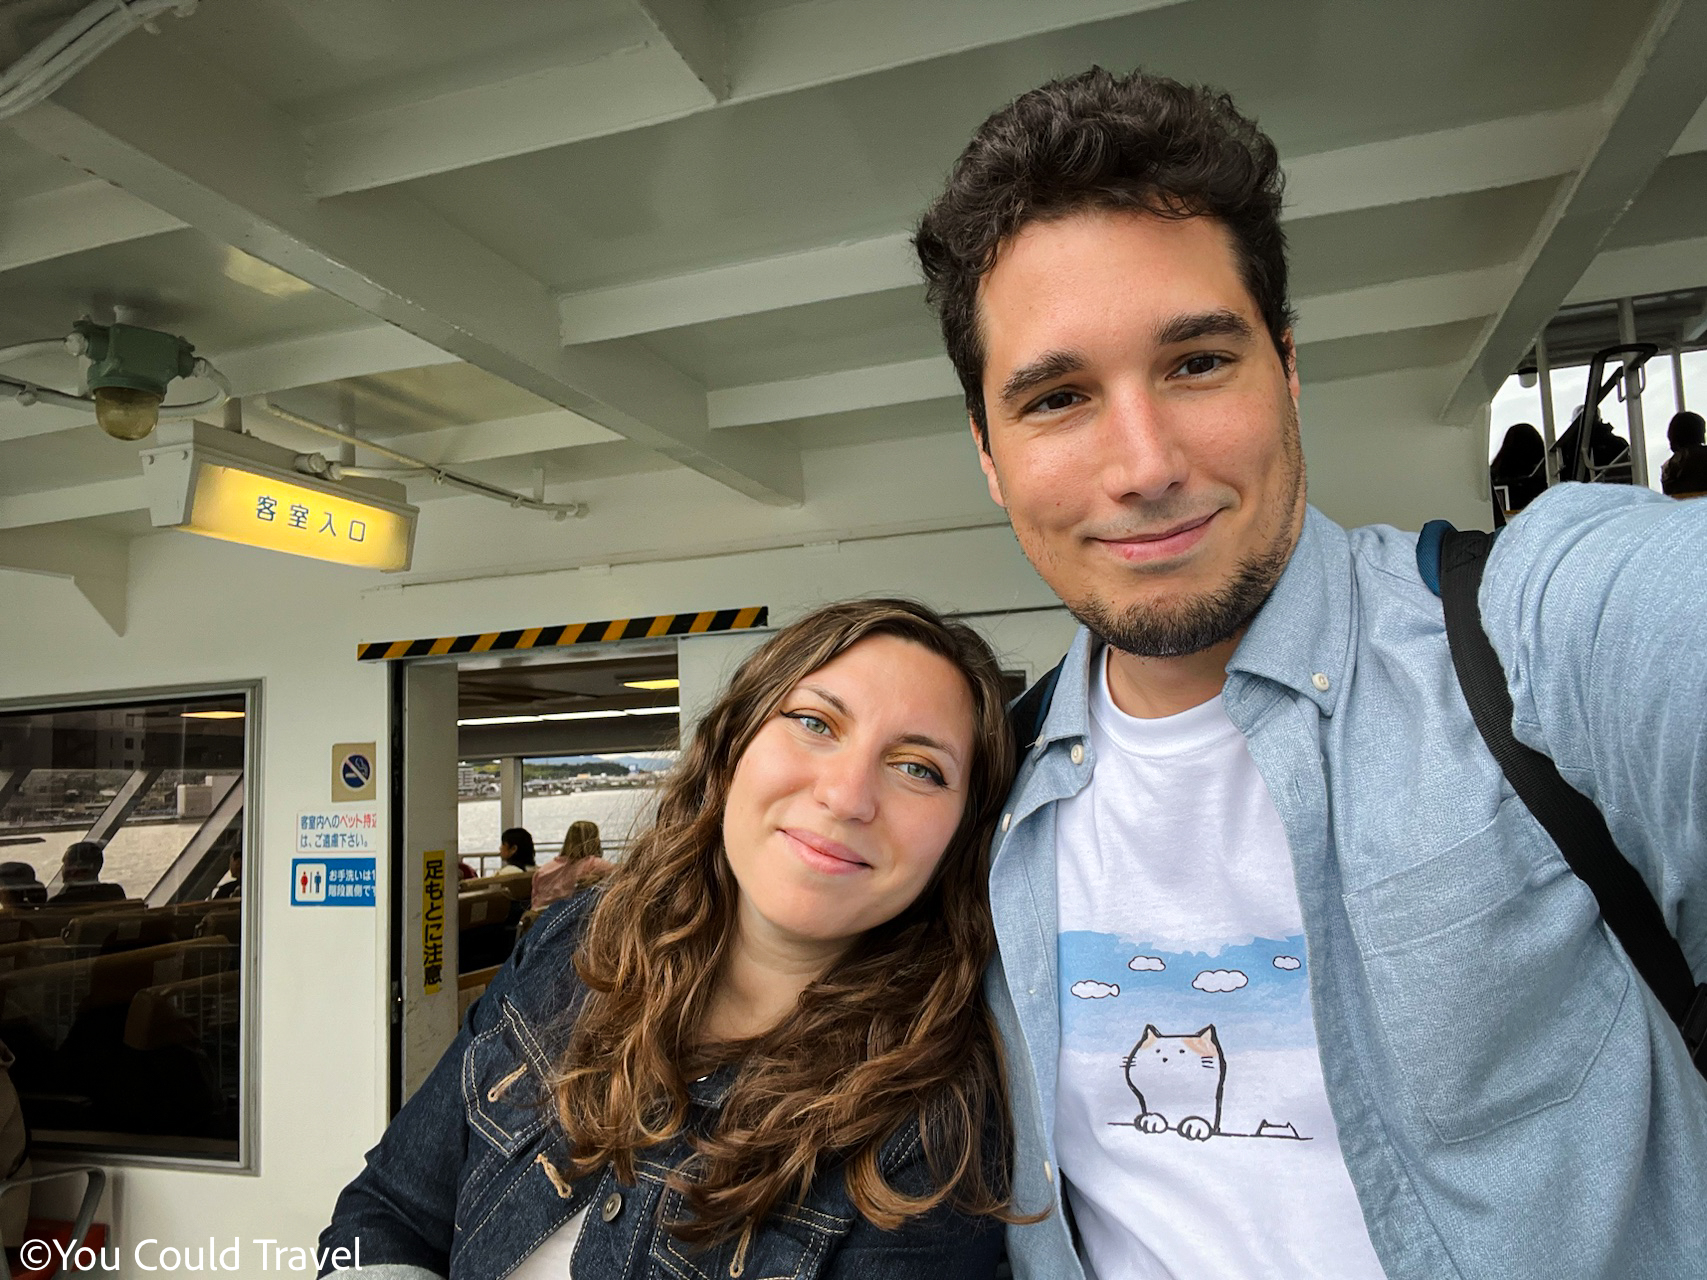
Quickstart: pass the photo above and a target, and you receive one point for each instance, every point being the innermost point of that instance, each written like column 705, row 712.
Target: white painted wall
column 208, row 611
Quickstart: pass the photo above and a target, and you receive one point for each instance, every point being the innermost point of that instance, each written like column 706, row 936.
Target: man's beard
column 1192, row 625
column 1177, row 628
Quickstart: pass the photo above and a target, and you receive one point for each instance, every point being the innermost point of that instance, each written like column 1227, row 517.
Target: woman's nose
column 847, row 787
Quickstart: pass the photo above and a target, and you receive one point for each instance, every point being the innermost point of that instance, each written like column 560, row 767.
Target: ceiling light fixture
column 651, row 685
column 130, row 368
column 211, row 715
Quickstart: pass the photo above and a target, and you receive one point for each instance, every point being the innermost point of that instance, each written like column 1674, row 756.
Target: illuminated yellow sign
column 261, row 511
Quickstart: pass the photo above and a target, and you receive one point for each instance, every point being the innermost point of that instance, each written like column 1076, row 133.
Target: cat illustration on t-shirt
column 1179, row 1082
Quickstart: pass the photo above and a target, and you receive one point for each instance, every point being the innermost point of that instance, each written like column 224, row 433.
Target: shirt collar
column 1299, row 638
column 1069, row 706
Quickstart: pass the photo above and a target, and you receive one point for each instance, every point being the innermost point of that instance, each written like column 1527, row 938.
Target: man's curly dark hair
column 1097, row 141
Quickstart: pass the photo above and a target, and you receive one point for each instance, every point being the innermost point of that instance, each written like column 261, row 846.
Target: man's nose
column 1138, row 452
column 847, row 786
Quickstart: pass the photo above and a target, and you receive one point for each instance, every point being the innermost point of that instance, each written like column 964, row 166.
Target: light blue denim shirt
column 1511, row 1099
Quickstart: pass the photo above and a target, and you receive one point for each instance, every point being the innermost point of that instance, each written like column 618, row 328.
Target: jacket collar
column 1302, row 631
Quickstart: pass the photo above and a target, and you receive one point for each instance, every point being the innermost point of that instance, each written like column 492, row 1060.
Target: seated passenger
column 232, row 888
column 577, row 863
column 19, row 886
column 780, row 1060
column 1686, row 470
column 515, row 847
column 1518, row 471
column 80, row 876
column 1609, row 452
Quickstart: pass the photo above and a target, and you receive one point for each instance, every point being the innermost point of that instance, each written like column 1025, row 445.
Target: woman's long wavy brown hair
column 897, row 1030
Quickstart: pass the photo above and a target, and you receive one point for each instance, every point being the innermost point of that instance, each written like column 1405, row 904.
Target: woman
column 1685, row 472
column 759, row 1047
column 1518, row 471
column 577, row 863
column 515, row 847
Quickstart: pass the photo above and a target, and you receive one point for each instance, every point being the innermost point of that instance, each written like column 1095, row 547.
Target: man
column 1290, row 984
column 80, row 876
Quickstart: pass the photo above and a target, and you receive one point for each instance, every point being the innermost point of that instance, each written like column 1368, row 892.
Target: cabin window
column 123, row 861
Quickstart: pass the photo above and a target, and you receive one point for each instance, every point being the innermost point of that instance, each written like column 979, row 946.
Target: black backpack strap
column 1570, row 817
column 1027, row 712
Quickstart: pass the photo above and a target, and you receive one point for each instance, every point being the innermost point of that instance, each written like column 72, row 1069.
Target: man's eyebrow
column 1046, row 368
column 1202, row 324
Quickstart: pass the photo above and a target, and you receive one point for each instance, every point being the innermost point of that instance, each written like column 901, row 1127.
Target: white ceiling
column 552, row 243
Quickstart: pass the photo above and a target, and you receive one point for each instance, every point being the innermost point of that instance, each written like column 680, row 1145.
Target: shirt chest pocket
column 792, row 1245
column 1491, row 976
column 506, row 1101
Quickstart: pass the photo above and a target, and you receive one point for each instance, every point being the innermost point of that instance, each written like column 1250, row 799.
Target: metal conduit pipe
column 76, row 43
column 314, row 464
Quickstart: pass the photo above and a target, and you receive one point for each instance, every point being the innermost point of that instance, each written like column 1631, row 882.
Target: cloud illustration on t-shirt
column 1286, row 962
column 1088, row 990
column 1146, row 964
column 1218, row 980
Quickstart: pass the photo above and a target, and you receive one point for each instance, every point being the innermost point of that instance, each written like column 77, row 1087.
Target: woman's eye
column 807, row 721
column 923, row 772
column 1201, row 365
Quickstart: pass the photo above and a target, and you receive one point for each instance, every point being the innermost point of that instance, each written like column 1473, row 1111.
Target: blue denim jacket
column 467, row 1180
column 1511, row 1099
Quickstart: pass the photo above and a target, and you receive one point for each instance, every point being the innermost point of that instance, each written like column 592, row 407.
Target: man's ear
column 987, row 463
column 1291, row 365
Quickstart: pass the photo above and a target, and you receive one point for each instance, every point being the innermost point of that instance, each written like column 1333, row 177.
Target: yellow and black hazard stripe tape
column 660, row 624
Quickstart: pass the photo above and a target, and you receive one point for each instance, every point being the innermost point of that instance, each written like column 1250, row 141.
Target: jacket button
column 611, row 1207
column 1077, row 753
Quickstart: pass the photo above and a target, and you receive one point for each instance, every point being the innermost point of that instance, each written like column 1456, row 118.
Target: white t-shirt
column 551, row 1260
column 1191, row 1122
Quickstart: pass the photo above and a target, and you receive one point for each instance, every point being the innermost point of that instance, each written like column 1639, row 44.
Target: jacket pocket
column 1491, row 975
column 792, row 1245
column 506, row 1100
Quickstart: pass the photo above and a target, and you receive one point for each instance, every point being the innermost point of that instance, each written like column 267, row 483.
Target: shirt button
column 1077, row 753
column 1007, row 820
column 611, row 1207
column 1320, row 681
column 1048, row 1172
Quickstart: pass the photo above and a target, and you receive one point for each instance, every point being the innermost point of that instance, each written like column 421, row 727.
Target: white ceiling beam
column 1657, row 93
column 697, row 36
column 97, row 564
column 743, row 288
column 1476, row 157
column 76, row 502
column 1404, row 304
column 1694, row 135
column 778, row 51
column 326, row 357
column 502, row 438
column 647, row 83
column 1383, row 308
column 211, row 153
column 75, row 219
column 1448, row 162
column 1648, row 268
column 847, row 390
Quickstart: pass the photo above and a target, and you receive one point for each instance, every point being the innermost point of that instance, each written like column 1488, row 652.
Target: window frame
column 247, row 1162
